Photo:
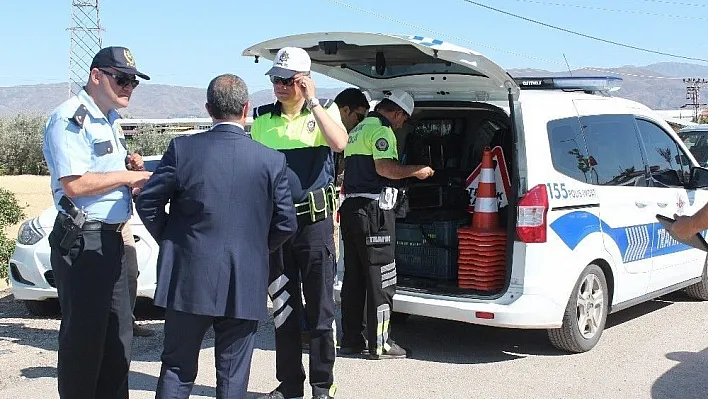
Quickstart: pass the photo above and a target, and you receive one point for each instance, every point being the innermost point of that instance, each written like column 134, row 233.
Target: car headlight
column 30, row 232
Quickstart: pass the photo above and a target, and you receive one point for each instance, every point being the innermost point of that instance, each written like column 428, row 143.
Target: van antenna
column 568, row 65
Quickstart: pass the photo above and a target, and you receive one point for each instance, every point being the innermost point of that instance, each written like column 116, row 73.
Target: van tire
column 45, row 308
column 569, row 337
column 700, row 290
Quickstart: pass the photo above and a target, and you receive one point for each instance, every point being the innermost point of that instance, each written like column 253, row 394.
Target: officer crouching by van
column 368, row 224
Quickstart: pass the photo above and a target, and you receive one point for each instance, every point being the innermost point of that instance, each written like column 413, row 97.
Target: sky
column 188, row 43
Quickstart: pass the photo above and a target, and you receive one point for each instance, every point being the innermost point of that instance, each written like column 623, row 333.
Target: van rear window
column 568, row 149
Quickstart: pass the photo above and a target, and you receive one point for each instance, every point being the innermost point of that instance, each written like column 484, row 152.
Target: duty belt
column 92, row 225
column 362, row 195
column 319, row 205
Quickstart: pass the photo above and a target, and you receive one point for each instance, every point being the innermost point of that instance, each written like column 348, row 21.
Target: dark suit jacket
column 229, row 207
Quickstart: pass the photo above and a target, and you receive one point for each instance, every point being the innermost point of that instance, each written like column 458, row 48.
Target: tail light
column 531, row 215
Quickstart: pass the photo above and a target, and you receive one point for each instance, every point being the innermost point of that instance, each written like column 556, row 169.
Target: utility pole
column 693, row 95
column 84, row 41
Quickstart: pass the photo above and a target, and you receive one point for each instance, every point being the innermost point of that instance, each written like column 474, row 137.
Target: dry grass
column 33, row 193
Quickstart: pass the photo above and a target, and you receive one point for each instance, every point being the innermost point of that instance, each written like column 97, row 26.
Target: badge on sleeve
column 80, row 115
column 382, row 144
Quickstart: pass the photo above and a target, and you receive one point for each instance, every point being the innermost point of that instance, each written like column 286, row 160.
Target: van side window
column 568, row 150
column 668, row 165
column 614, row 147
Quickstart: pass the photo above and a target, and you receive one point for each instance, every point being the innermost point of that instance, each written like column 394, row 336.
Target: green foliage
column 21, row 145
column 10, row 213
column 149, row 140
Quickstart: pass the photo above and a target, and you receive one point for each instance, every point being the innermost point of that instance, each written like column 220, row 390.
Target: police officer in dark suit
column 86, row 154
column 230, row 207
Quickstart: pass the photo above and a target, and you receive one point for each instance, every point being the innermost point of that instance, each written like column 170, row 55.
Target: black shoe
column 276, row 395
column 354, row 350
column 394, row 352
column 140, row 331
column 322, row 396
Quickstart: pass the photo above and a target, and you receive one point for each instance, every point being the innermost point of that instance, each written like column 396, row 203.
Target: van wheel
column 586, row 313
column 700, row 290
column 45, row 308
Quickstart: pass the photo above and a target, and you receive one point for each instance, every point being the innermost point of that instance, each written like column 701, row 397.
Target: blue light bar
column 584, row 83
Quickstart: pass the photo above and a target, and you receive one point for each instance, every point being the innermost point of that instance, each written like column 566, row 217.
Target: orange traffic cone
column 482, row 246
column 486, row 205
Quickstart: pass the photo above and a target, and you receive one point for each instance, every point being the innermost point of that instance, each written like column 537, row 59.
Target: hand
column 424, row 173
column 138, row 179
column 305, row 86
column 135, row 162
column 683, row 227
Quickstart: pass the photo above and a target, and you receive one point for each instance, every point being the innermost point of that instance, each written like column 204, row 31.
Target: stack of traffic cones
column 482, row 246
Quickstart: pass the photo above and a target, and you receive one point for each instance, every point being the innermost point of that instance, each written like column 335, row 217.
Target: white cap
column 289, row 61
column 402, row 99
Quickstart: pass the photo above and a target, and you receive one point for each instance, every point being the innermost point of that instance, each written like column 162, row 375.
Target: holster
column 402, row 207
column 72, row 222
column 71, row 233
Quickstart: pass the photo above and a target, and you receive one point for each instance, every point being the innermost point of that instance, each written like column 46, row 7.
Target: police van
column 581, row 176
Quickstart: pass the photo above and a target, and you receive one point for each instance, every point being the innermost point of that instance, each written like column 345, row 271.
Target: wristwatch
column 312, row 103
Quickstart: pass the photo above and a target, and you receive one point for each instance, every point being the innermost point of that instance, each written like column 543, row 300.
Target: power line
column 462, row 40
column 675, row 3
column 583, row 34
column 422, row 28
column 654, row 14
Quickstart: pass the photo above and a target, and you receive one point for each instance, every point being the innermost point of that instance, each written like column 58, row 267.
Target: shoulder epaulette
column 262, row 110
column 80, row 116
column 326, row 102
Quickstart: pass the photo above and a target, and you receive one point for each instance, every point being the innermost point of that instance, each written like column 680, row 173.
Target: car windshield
column 697, row 143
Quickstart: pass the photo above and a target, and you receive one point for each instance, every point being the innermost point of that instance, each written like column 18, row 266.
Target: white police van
column 588, row 173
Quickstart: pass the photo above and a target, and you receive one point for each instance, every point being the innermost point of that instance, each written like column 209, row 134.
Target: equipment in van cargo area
column 427, row 248
column 482, row 246
column 437, row 248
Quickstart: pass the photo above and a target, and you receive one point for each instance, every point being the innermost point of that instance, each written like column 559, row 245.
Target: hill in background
column 165, row 101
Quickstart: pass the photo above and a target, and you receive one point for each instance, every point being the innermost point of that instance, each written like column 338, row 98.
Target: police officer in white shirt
column 87, row 156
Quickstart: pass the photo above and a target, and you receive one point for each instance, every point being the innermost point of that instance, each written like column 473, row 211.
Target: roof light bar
column 585, row 83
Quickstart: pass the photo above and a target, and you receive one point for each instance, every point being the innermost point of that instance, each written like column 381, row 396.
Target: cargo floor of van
column 451, row 138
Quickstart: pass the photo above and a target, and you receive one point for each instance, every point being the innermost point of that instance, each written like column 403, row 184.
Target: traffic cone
column 486, row 206
column 482, row 246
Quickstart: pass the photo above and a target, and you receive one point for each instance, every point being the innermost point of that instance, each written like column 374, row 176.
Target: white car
column 581, row 176
column 31, row 276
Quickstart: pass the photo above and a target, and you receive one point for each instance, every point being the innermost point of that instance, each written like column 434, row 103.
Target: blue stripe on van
column 635, row 243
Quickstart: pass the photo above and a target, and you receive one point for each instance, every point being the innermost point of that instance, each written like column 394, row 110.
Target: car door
column 626, row 207
column 672, row 262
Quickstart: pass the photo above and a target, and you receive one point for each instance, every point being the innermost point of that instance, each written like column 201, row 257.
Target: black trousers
column 233, row 350
column 95, row 335
column 309, row 255
column 369, row 235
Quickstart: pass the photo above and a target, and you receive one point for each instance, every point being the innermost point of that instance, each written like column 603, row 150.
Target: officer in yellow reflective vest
column 368, row 224
column 307, row 131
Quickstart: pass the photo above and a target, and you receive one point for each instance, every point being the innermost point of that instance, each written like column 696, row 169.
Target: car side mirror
column 698, row 177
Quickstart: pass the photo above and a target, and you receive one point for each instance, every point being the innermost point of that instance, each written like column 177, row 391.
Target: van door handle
column 662, row 204
column 640, row 204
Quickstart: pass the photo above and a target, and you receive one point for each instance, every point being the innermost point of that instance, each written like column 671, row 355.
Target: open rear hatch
column 426, row 68
column 460, row 96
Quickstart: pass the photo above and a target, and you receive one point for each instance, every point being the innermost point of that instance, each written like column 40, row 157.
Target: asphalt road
column 656, row 350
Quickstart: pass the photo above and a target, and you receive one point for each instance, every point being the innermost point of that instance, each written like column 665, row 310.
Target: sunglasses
column 122, row 79
column 359, row 117
column 283, row 81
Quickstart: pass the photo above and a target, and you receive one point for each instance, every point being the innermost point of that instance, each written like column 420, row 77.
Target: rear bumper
column 527, row 312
